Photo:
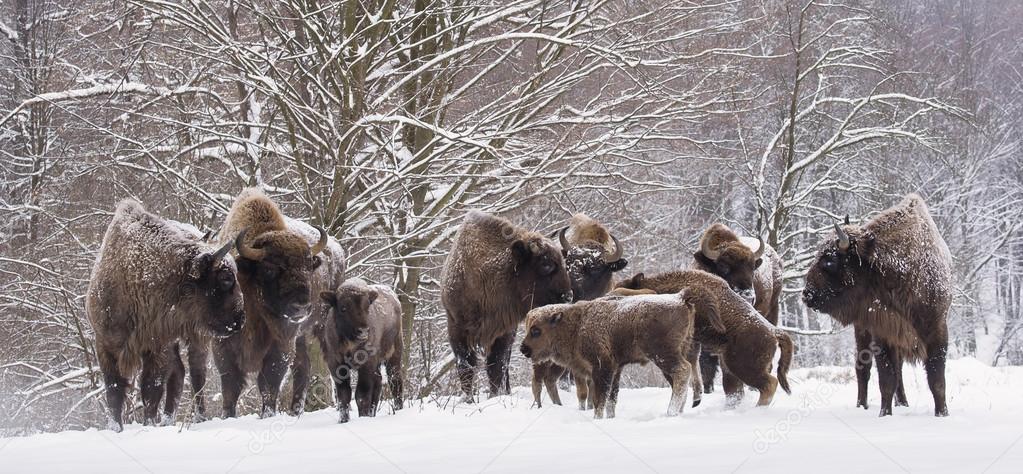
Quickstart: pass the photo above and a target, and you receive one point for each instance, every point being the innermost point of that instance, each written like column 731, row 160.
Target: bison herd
column 266, row 283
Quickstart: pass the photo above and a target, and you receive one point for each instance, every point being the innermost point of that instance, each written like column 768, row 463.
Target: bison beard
column 891, row 279
column 496, row 272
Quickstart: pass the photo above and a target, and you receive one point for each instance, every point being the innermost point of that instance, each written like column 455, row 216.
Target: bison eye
column 535, row 332
column 546, row 268
column 226, row 281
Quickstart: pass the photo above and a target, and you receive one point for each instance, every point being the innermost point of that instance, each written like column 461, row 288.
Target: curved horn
column 223, row 251
column 322, row 244
column 847, row 219
column 707, row 251
column 760, row 250
column 562, row 240
column 207, row 235
column 244, row 250
column 843, row 238
column 619, row 250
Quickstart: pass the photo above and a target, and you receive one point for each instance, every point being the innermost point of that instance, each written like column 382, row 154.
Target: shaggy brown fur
column 496, row 272
column 152, row 285
column 892, row 279
column 592, row 256
column 362, row 334
column 596, row 339
column 743, row 339
column 735, row 259
column 275, row 265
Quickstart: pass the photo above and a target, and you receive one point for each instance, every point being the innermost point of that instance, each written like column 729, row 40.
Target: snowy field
column 815, row 429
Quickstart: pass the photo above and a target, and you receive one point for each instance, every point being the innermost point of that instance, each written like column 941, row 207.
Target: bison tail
column 787, row 349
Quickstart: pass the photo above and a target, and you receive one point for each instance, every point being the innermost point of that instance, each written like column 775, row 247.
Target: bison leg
column 677, row 372
column 864, row 361
column 232, row 378
column 175, row 382
column 539, row 376
column 603, row 379
column 733, row 386
column 583, row 392
column 395, row 381
column 115, row 385
column 342, row 375
column 708, row 370
column 612, row 398
column 151, row 387
column 198, row 358
column 935, row 367
column 366, row 388
column 299, row 377
column 886, row 376
column 465, row 363
column 497, row 364
column 693, row 359
column 900, row 389
column 550, row 380
column 275, row 365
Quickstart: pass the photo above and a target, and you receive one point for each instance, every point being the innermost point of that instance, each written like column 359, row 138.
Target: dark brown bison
column 275, row 265
column 362, row 334
column 891, row 279
column 596, row 339
column 496, row 272
column 154, row 284
column 741, row 262
column 743, row 339
column 592, row 256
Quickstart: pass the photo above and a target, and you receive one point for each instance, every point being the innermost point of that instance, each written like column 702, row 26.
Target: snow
column 816, row 427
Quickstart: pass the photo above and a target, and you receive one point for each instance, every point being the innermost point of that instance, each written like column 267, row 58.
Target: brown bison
column 891, row 279
column 592, row 256
column 362, row 334
column 275, row 265
column 596, row 339
column 743, row 339
column 733, row 258
column 154, row 284
column 496, row 272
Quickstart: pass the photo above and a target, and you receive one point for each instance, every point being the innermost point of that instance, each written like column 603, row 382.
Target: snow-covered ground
column 816, row 429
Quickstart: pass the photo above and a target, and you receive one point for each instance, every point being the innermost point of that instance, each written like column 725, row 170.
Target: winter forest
column 385, row 121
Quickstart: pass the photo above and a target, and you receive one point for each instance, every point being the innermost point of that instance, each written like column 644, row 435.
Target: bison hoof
column 167, row 420
column 708, row 389
column 696, row 402
column 343, row 417
column 862, row 404
column 199, row 418
column 115, row 426
column 901, row 403
column 941, row 413
column 885, row 412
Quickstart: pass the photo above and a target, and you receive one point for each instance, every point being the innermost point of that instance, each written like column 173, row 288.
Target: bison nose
column 567, row 296
column 526, row 351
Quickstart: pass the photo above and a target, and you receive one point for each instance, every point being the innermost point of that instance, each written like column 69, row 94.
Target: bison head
column 590, row 266
column 733, row 261
column 836, row 277
column 212, row 286
column 349, row 307
column 279, row 265
column 539, row 270
column 542, row 324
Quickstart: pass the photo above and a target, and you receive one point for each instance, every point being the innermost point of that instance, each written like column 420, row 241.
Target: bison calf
column 596, row 339
column 363, row 333
column 743, row 340
column 153, row 284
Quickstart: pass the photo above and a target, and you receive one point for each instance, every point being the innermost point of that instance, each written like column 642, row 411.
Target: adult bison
column 496, row 272
column 891, row 279
column 592, row 256
column 741, row 262
column 153, row 284
column 275, row 267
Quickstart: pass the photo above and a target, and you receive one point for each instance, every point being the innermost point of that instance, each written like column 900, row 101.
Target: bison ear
column 198, row 266
column 372, row 296
column 865, row 246
column 520, row 253
column 618, row 266
column 702, row 259
column 758, row 263
column 329, row 297
column 556, row 318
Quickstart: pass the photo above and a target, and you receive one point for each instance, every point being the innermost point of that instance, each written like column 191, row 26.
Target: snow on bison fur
column 153, row 284
column 596, row 339
column 892, row 279
column 496, row 272
column 592, row 256
column 275, row 268
column 752, row 269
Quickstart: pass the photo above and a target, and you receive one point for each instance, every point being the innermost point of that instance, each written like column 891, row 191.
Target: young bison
column 154, row 284
column 891, row 279
column 753, row 274
column 596, row 339
column 363, row 333
column 746, row 346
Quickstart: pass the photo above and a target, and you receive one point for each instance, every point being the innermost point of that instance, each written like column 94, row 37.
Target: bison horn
column 843, row 238
column 760, row 238
column 619, row 250
column 562, row 240
column 245, row 251
column 847, row 219
column 322, row 244
column 222, row 251
column 707, row 250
